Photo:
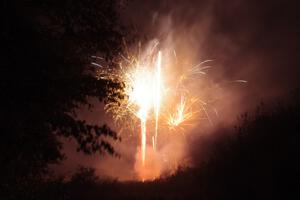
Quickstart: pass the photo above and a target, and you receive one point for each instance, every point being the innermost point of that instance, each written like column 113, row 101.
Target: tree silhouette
column 45, row 77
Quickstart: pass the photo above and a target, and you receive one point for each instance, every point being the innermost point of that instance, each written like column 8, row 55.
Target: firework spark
column 182, row 114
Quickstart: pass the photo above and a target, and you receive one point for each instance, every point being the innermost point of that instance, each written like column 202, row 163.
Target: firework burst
column 150, row 102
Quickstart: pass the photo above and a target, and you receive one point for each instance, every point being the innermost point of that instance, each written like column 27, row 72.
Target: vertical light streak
column 143, row 81
column 143, row 140
column 153, row 142
column 143, row 98
column 157, row 95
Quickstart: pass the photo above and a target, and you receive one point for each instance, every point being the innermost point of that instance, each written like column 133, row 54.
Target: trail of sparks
column 157, row 96
column 143, row 140
column 142, row 81
column 182, row 114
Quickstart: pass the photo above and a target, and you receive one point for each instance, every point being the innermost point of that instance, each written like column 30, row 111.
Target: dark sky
column 250, row 39
column 254, row 40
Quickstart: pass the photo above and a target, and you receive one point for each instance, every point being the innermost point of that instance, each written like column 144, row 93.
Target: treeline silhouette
column 45, row 76
column 257, row 161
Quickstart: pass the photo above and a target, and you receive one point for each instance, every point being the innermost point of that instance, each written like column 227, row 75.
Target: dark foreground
column 259, row 161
